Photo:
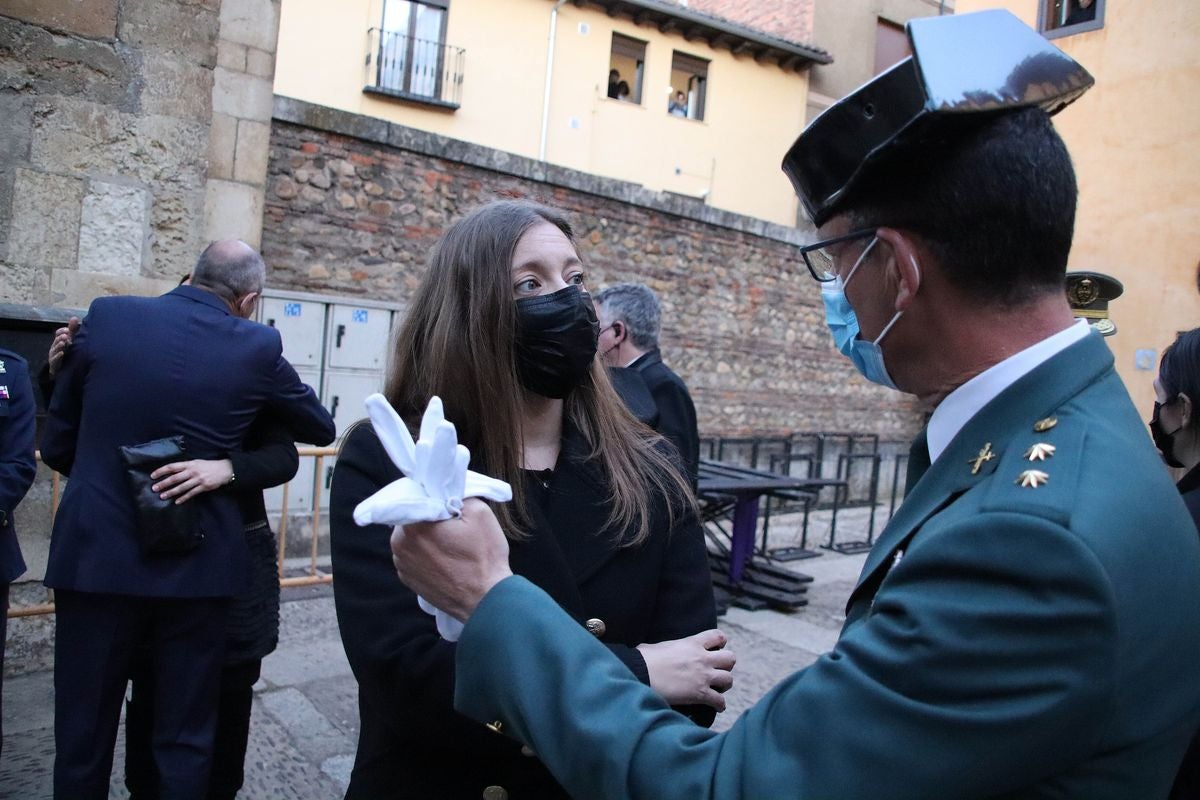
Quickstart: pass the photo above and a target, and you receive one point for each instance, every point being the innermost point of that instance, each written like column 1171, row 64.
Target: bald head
column 231, row 269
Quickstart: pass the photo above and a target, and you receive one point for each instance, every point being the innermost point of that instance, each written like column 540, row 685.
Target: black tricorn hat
column 964, row 68
column 1089, row 294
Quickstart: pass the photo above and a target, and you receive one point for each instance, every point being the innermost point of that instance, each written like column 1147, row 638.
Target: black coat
column 1187, row 782
column 412, row 744
column 676, row 413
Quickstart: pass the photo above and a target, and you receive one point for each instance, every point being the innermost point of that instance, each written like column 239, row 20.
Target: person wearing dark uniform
column 17, row 470
column 269, row 459
column 189, row 364
column 1175, row 428
column 630, row 321
column 1028, row 623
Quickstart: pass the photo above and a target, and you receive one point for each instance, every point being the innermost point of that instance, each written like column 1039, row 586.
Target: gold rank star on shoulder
column 1032, row 479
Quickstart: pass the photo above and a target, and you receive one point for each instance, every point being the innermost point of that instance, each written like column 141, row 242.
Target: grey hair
column 637, row 306
column 231, row 269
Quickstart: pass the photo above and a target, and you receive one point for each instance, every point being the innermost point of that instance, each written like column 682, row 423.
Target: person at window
column 1175, row 428
column 614, row 81
column 1081, row 11
column 677, row 105
column 504, row 332
column 623, row 91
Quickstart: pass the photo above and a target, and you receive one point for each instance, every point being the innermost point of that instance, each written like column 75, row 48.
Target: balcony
column 414, row 70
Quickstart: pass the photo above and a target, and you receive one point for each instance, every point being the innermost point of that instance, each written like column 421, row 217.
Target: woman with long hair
column 503, row 330
column 1175, row 427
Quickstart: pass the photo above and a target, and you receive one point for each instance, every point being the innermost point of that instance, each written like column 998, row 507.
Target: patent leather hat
column 964, row 69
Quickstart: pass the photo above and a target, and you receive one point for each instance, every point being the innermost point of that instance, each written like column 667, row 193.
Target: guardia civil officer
column 1028, row 624
column 17, row 468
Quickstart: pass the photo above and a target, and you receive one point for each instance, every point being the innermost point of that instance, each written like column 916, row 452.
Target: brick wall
column 354, row 204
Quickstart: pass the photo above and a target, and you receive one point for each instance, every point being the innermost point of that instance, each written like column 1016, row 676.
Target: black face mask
column 1164, row 441
column 556, row 341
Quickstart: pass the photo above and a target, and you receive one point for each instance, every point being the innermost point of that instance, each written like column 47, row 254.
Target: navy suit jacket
column 146, row 368
column 676, row 413
column 17, row 465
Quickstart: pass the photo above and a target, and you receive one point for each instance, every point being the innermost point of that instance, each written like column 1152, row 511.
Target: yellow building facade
column 745, row 98
column 1135, row 142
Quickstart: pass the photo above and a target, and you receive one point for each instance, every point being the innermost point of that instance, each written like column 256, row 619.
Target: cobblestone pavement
column 305, row 720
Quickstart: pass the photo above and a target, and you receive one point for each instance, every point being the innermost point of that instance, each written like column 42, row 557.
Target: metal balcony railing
column 420, row 70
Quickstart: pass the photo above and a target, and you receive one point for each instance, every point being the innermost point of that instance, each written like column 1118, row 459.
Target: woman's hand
column 190, row 478
column 62, row 340
column 691, row 670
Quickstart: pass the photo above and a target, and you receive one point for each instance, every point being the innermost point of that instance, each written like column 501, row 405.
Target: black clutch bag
column 163, row 526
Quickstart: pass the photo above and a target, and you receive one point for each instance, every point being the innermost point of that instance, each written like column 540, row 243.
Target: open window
column 689, row 86
column 1065, row 17
column 626, row 64
column 891, row 45
column 411, row 47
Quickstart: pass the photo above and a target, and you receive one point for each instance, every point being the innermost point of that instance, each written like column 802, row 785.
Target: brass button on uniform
column 495, row 793
column 595, row 627
column 495, row 727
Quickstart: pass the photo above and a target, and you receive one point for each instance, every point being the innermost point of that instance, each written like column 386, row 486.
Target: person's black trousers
column 97, row 637
column 233, row 732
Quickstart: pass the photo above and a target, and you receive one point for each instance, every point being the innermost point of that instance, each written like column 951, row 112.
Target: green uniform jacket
column 1004, row 640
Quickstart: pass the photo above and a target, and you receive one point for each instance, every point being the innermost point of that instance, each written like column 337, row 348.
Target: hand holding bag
column 163, row 526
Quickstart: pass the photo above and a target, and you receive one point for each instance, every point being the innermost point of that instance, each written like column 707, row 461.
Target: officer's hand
column 62, row 340
column 691, row 670
column 453, row 564
column 183, row 480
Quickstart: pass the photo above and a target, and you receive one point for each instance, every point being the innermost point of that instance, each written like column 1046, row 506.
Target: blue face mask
column 867, row 356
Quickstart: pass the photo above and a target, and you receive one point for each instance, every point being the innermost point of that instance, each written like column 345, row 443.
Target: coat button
column 526, row 751
column 595, row 627
column 495, row 727
column 495, row 793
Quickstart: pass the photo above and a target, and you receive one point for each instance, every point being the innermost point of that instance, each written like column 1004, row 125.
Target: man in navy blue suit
column 188, row 363
column 17, row 468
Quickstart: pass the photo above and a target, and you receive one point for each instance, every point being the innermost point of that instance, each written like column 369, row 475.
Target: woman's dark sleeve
column 404, row 668
column 685, row 596
column 270, row 457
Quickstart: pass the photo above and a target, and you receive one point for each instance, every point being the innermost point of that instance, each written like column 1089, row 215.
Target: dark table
column 721, row 484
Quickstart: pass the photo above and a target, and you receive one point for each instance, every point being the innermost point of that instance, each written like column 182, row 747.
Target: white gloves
column 437, row 480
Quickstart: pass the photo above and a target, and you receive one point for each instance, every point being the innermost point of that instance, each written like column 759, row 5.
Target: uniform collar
column 953, row 413
column 1032, row 397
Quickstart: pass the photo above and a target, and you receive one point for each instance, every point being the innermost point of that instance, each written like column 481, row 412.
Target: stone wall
column 354, row 204
column 114, row 169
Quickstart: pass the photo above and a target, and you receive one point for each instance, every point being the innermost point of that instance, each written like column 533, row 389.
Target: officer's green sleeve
column 985, row 664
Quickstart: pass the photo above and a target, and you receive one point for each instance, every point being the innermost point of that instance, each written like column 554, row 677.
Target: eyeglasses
column 820, row 261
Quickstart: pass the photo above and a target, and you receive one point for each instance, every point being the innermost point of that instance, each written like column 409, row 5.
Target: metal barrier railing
column 314, row 577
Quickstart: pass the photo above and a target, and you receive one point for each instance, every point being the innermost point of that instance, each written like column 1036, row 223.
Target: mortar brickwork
column 349, row 214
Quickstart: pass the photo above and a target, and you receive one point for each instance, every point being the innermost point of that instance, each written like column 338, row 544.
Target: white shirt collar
column 969, row 399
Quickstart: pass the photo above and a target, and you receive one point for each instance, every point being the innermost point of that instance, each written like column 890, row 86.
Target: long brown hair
column 457, row 342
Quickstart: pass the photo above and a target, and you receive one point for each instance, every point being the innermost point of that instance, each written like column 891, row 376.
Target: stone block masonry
column 354, row 204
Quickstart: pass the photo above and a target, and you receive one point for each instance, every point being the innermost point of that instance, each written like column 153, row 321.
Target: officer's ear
column 903, row 266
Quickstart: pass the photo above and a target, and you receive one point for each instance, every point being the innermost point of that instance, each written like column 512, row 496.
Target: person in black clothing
column 1081, row 11
column 614, row 80
column 269, row 459
column 504, row 333
column 1175, row 427
column 630, row 321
